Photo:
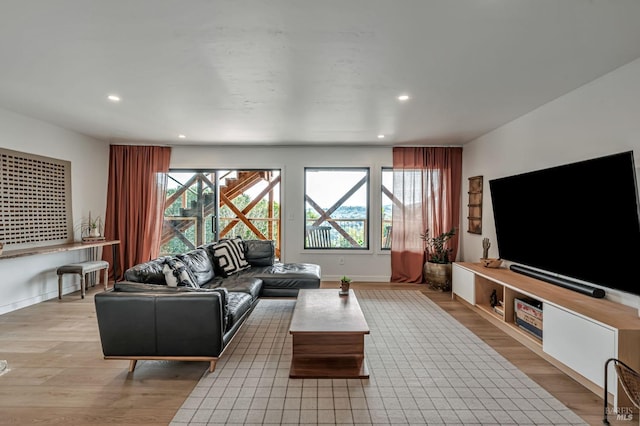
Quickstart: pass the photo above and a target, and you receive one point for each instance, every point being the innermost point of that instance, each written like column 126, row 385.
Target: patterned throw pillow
column 176, row 274
column 229, row 255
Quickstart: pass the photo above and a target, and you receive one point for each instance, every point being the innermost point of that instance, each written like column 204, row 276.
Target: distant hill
column 357, row 212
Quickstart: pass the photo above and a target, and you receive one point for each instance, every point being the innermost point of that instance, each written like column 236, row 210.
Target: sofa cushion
column 287, row 275
column 229, row 255
column 148, row 272
column 241, row 284
column 260, row 252
column 283, row 279
column 199, row 264
column 177, row 274
column 239, row 303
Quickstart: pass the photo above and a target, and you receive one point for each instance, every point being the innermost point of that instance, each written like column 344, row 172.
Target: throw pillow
column 229, row 255
column 176, row 274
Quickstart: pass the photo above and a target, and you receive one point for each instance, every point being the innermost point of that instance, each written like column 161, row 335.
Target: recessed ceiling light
column 114, row 98
column 181, row 136
column 380, row 136
column 403, row 97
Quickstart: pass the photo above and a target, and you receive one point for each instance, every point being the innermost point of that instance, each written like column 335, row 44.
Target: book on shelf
column 498, row 310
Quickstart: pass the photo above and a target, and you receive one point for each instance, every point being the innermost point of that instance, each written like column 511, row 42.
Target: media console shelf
column 579, row 333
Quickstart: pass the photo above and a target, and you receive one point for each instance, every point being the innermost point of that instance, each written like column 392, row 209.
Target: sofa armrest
column 160, row 324
column 137, row 287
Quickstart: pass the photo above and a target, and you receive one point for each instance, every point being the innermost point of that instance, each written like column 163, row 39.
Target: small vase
column 94, row 232
column 344, row 287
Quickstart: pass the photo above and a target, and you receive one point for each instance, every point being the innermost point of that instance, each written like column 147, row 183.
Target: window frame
column 384, row 169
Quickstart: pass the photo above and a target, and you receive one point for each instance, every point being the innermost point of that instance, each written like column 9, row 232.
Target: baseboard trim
column 358, row 278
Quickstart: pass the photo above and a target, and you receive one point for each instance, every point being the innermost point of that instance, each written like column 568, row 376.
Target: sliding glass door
column 206, row 205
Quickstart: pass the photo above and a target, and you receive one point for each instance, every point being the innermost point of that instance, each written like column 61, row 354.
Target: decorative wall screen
column 35, row 203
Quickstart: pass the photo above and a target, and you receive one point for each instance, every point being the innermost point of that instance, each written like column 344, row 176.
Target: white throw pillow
column 176, row 274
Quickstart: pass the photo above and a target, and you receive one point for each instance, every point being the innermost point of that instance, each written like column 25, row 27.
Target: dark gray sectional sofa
column 144, row 318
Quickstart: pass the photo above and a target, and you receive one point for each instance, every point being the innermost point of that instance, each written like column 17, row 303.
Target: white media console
column 579, row 333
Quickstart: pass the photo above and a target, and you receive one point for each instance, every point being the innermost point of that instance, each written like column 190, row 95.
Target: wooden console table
column 92, row 245
column 328, row 336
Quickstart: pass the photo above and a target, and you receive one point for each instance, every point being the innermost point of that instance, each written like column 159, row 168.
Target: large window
column 336, row 208
column 387, row 208
column 204, row 206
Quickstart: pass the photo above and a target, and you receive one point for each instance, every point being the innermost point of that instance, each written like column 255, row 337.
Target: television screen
column 579, row 220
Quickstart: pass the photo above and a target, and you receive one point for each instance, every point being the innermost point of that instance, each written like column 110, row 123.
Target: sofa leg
column 212, row 366
column 132, row 365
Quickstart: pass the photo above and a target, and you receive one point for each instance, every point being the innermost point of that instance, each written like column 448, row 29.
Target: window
column 204, row 206
column 336, row 208
column 387, row 208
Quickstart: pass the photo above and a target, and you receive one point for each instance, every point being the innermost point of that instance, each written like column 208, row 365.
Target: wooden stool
column 82, row 269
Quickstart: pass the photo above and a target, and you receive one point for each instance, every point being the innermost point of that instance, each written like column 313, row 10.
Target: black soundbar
column 598, row 293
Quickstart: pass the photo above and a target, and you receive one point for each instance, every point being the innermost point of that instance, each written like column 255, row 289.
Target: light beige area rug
column 425, row 367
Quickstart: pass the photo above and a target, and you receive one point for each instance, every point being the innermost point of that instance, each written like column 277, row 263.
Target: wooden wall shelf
column 57, row 248
column 474, row 217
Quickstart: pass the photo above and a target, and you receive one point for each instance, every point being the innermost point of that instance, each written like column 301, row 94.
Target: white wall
column 600, row 118
column 369, row 265
column 32, row 279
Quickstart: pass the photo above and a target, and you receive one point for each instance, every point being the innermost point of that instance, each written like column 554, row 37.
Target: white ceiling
column 304, row 72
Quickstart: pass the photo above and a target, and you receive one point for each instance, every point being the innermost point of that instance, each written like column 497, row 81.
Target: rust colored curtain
column 135, row 202
column 427, row 184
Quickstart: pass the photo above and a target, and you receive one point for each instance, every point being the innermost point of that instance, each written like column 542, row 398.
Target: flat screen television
column 579, row 220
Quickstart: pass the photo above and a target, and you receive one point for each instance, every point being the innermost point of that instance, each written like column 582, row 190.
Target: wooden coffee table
column 328, row 336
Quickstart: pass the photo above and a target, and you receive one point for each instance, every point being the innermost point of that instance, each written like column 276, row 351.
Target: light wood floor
column 58, row 376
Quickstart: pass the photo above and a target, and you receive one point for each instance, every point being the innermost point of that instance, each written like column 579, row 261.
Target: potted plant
column 437, row 268
column 344, row 284
column 94, row 226
column 91, row 228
